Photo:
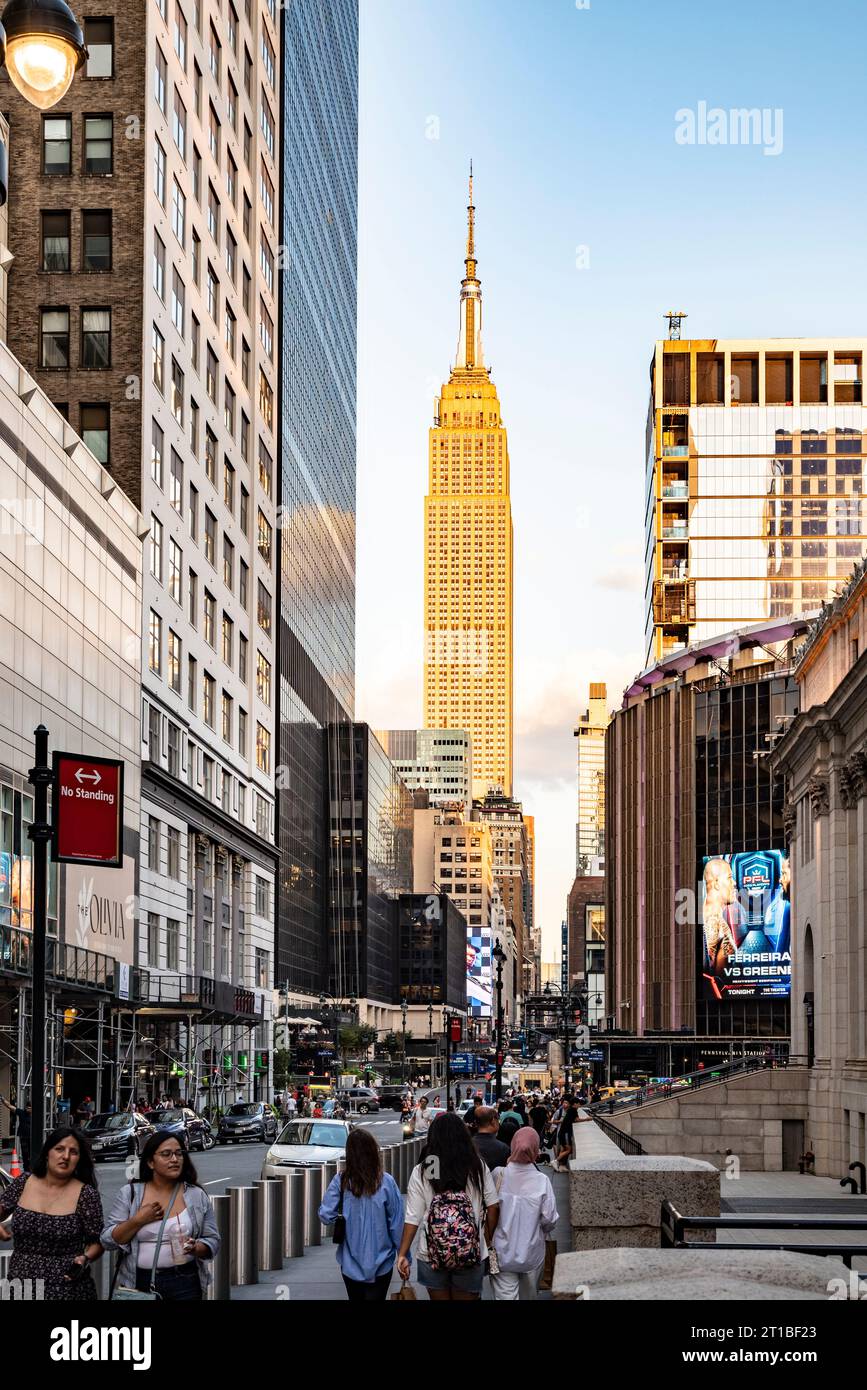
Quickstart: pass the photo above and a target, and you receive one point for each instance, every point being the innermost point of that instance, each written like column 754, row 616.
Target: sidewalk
column 316, row 1276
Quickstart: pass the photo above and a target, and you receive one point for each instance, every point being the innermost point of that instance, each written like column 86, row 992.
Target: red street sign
column 455, row 1030
column 87, row 810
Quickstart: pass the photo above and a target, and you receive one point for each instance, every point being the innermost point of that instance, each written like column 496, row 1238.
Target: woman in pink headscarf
column 528, row 1213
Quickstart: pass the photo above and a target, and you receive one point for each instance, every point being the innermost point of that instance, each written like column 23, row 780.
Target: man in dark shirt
column 23, row 1120
column 495, row 1154
column 471, row 1117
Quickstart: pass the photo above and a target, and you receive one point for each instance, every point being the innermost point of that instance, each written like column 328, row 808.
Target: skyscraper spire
column 470, row 356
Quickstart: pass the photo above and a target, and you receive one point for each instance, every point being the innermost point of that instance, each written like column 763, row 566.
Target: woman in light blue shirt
column 372, row 1208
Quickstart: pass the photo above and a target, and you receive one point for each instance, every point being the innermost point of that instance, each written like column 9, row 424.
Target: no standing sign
column 87, row 810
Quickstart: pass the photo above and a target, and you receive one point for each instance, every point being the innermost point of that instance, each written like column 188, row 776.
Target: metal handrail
column 709, row 1076
column 674, row 1225
column 625, row 1142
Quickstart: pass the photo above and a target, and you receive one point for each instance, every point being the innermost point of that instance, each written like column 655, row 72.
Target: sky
column 593, row 217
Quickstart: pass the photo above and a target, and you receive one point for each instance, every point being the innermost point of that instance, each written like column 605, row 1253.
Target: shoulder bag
column 121, row 1293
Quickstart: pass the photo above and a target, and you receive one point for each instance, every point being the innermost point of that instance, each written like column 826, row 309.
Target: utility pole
column 499, row 956
column 40, row 777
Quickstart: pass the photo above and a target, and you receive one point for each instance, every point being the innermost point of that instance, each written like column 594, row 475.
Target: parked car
column 363, row 1099
column 306, row 1144
column 5, row 1179
column 248, row 1119
column 184, row 1124
column 119, row 1135
column 392, row 1097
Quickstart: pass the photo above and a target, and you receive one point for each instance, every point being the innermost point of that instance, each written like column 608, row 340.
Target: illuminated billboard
column 746, row 944
column 480, row 974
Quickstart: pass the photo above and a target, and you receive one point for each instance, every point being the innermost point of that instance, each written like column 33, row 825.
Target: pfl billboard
column 746, row 939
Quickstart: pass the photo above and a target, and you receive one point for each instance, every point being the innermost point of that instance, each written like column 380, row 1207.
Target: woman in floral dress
column 54, row 1218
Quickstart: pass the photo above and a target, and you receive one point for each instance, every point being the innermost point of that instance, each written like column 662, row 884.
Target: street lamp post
column 499, row 956
column 403, row 1027
column 42, row 46
column 336, row 1006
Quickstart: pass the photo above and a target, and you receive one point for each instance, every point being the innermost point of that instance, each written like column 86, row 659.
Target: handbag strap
column 166, row 1214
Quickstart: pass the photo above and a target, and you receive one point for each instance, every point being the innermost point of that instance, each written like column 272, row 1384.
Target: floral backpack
column 453, row 1240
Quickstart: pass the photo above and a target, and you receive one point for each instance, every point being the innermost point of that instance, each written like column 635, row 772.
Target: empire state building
column 468, row 553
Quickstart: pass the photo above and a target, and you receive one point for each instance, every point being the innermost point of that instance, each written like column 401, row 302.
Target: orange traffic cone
column 15, row 1165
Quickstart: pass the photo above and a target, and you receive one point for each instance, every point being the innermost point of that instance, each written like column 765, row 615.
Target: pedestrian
column 508, row 1128
column 487, row 1142
column 165, row 1226
column 528, row 1213
column 291, row 1106
column 457, row 1095
column 454, row 1215
column 420, row 1121
column 53, row 1216
column 370, row 1203
column 565, row 1138
column 471, row 1117
column 508, row 1112
column 23, row 1119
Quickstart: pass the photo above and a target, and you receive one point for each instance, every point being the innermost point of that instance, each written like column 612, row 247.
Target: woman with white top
column 528, row 1213
column 164, row 1224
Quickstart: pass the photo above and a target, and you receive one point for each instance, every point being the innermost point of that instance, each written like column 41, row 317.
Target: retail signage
column 746, row 939
column 87, row 810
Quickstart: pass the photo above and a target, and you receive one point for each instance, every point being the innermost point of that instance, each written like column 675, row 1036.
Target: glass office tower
column 319, row 215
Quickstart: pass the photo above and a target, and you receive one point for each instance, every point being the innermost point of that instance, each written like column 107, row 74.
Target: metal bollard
column 388, row 1159
column 294, row 1185
column 403, row 1170
column 312, row 1224
column 330, row 1172
column 244, row 1242
column 102, row 1273
column 269, row 1224
column 218, row 1289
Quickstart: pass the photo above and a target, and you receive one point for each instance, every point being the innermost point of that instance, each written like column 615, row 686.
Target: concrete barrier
column 686, row 1276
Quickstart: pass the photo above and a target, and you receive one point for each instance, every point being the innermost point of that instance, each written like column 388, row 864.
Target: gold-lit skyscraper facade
column 468, row 554
column 756, row 474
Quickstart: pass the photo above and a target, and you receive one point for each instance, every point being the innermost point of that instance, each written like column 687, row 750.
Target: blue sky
column 569, row 115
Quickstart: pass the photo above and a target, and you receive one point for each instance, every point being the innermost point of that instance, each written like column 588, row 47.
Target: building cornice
column 205, row 817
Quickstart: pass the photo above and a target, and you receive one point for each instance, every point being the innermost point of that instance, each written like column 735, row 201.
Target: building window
column 266, row 191
column 231, row 179
column 242, row 732
column 96, row 338
column 193, row 599
column 268, row 57
column 214, row 54
column 196, row 258
column 173, row 929
column 195, row 333
column 177, row 392
column 232, row 105
column 210, row 619
column 178, row 301
column 179, row 126
column 266, row 469
column 229, row 487
column 208, row 693
column 228, row 563
column 263, row 608
column 174, row 758
column 263, row 817
column 180, row 36
column 228, row 639
column 243, row 584
column 99, row 42
column 266, row 400
column 157, row 439
column 96, row 241
column 56, row 144
column 192, row 688
column 55, row 241
column 98, row 144
column 266, row 260
column 194, row 513
column 213, row 294
column 160, row 173
column 155, row 643
column 242, row 658
column 230, row 332
column 210, row 538
column 176, row 569
column 266, row 329
column 210, row 456
column 245, row 423
column 211, row 375
column 156, row 557
column 229, row 409
column 179, row 212
column 264, row 540
column 231, row 254
column 153, row 940
column 159, row 267
column 263, row 679
column 266, row 121
column 155, row 728
column 263, row 748
column 160, row 86
column 174, row 661
column 226, row 717
column 54, row 338
column 176, row 483
column 95, row 430
column 158, row 357
column 263, row 897
column 213, row 214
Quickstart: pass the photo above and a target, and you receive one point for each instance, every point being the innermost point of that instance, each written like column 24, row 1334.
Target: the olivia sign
column 87, row 810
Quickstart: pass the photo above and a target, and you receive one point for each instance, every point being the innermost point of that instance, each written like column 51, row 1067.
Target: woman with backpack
column 370, row 1205
column 452, row 1205
column 528, row 1213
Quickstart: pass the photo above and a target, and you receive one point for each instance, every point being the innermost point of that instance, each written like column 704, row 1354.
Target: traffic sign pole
column 40, row 777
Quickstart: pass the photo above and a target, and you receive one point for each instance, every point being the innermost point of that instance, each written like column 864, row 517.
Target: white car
column 306, row 1144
